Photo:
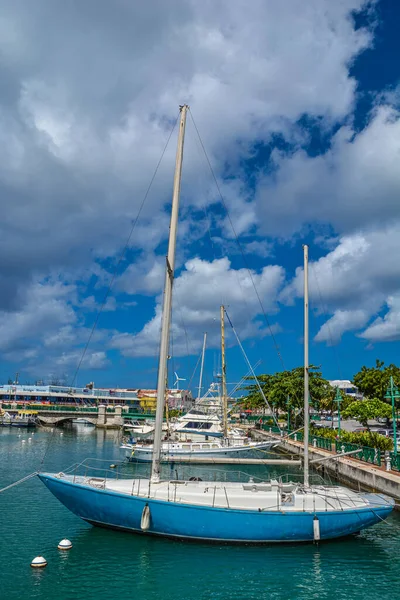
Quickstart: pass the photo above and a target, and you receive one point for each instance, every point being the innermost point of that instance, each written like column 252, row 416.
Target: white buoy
column 23, row 441
column 39, row 562
column 61, row 433
column 145, row 520
column 316, row 529
column 29, row 439
column 64, row 545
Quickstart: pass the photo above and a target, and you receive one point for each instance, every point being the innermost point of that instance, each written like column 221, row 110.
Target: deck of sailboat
column 263, row 496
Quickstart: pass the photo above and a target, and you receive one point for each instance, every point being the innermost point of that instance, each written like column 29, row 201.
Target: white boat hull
column 207, row 450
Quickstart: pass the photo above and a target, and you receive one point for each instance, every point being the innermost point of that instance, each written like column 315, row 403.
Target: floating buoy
column 145, row 520
column 64, row 545
column 23, row 441
column 39, row 562
column 61, row 433
column 316, row 529
column 112, row 466
column 29, row 439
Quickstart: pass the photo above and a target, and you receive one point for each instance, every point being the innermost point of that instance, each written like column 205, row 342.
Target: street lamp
column 288, row 412
column 392, row 393
column 338, row 399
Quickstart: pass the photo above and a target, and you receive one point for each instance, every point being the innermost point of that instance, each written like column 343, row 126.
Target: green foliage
column 365, row 410
column 287, row 384
column 174, row 412
column 373, row 381
column 362, row 438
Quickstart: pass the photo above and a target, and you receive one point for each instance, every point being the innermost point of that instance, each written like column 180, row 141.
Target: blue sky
column 297, row 104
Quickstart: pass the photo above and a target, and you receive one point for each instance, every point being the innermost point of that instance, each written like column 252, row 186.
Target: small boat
column 82, row 421
column 24, row 419
column 221, row 511
column 213, row 449
column 140, row 429
column 5, row 419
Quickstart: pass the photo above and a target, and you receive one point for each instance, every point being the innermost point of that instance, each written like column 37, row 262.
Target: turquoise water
column 105, row 564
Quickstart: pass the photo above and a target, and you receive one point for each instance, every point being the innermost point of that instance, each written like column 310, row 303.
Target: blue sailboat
column 233, row 512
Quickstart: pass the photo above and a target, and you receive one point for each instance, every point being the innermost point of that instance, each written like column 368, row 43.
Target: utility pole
column 338, row 399
column 393, row 393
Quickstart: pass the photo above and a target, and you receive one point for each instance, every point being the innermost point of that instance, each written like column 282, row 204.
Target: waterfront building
column 345, row 384
column 138, row 399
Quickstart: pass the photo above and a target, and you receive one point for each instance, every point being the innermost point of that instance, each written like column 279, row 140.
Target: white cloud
column 86, row 117
column 386, row 329
column 199, row 290
column 354, row 185
column 353, row 282
column 89, row 99
column 342, row 321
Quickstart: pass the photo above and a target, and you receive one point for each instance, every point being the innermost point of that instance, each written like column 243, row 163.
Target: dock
column 207, row 460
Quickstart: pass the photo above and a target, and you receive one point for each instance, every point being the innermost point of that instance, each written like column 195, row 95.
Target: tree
column 365, row 410
column 254, row 399
column 329, row 403
column 373, row 381
column 287, row 384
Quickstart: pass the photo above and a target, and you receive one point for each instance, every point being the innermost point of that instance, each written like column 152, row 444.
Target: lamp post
column 392, row 393
column 288, row 412
column 338, row 399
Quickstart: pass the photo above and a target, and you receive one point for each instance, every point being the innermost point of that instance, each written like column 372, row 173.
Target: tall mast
column 306, row 387
column 223, row 365
column 202, row 365
column 167, row 303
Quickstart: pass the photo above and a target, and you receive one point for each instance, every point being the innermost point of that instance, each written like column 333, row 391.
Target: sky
column 297, row 104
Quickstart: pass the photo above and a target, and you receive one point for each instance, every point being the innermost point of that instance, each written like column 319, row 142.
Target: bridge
column 101, row 416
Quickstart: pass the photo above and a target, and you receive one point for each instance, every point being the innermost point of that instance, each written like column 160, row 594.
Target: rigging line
column 123, row 253
column 194, row 371
column 324, row 308
column 239, row 244
column 251, row 368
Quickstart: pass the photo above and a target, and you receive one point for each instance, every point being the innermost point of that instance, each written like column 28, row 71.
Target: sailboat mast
column 306, row 384
column 223, row 365
column 167, row 303
column 202, row 366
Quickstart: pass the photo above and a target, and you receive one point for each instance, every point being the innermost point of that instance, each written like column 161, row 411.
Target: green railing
column 366, row 454
column 320, row 442
column 395, row 461
column 271, row 428
column 138, row 416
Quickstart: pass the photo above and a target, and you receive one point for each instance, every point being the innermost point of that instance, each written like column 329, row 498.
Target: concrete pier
column 353, row 472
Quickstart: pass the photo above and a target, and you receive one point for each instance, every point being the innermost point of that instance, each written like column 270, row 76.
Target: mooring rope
column 19, row 481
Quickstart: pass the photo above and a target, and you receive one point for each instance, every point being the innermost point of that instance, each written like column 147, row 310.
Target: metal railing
column 395, row 461
column 322, row 443
column 366, row 454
